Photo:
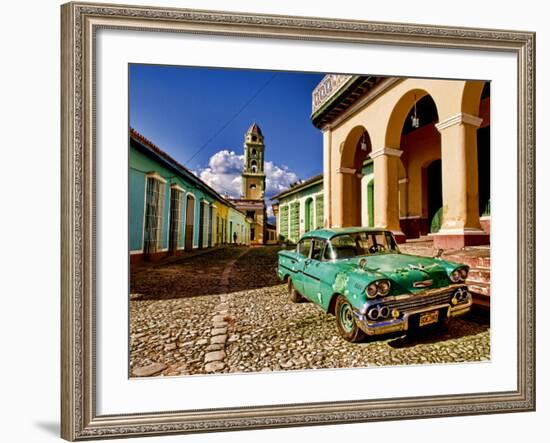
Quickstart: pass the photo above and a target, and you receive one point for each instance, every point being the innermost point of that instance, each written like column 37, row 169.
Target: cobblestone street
column 226, row 311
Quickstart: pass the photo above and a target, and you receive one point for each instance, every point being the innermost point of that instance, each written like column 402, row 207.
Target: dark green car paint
column 320, row 280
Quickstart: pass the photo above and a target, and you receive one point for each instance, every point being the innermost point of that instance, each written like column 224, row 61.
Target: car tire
column 293, row 294
column 345, row 321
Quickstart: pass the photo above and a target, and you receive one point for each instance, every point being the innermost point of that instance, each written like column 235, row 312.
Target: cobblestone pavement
column 259, row 329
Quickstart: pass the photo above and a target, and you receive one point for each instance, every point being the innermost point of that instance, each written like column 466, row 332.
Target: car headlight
column 384, row 287
column 380, row 287
column 460, row 274
column 372, row 290
column 455, row 276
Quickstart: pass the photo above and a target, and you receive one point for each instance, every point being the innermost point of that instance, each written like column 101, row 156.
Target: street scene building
column 428, row 144
column 252, row 202
column 299, row 209
column 411, row 156
column 171, row 210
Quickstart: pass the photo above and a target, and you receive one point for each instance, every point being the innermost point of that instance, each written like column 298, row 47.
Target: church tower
column 253, row 182
column 252, row 202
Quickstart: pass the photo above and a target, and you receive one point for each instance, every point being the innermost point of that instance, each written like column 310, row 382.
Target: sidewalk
column 181, row 256
column 477, row 257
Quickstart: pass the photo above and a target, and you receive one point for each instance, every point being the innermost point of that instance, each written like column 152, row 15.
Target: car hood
column 406, row 271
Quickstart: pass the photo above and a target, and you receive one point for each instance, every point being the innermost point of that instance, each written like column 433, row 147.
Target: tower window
column 253, row 165
column 252, row 186
column 254, row 138
column 253, row 153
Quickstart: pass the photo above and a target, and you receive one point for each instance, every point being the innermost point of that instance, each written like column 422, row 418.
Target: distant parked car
column 361, row 277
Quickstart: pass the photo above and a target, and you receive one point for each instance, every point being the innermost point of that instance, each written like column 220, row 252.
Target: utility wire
column 232, row 119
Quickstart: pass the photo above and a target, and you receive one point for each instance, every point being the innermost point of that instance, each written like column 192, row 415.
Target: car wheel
column 293, row 294
column 345, row 321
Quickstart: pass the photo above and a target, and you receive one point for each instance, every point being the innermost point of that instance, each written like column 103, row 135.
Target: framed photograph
column 277, row 221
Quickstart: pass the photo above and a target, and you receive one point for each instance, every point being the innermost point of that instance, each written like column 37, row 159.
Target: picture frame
column 80, row 23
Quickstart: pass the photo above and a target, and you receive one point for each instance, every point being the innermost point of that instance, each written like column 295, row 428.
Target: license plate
column 429, row 318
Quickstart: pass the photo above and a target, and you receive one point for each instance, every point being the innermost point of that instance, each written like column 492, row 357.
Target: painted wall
column 382, row 118
column 140, row 166
column 223, row 214
column 420, row 148
column 236, row 222
column 293, row 230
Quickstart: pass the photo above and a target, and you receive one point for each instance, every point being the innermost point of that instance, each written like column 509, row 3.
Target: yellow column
column 459, row 174
column 328, row 180
column 343, row 206
column 386, row 190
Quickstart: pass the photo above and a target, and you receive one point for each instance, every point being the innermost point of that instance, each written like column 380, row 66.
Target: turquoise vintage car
column 360, row 276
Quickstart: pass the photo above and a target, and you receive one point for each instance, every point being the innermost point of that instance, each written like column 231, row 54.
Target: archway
column 434, row 199
column 189, row 221
column 354, row 154
column 419, row 167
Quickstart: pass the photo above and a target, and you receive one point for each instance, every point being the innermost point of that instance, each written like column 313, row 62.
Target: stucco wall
column 300, row 197
column 140, row 166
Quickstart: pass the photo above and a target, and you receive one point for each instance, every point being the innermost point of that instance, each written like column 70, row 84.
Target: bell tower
column 253, row 182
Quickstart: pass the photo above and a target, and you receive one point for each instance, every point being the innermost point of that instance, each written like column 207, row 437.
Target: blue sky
column 181, row 109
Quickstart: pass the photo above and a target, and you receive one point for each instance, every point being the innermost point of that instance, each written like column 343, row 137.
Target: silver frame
column 79, row 420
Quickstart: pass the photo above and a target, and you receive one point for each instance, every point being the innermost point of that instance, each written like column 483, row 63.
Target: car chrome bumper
column 402, row 324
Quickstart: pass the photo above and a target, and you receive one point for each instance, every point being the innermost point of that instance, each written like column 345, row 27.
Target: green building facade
column 300, row 209
column 171, row 209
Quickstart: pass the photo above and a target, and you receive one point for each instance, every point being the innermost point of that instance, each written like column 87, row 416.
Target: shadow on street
column 201, row 275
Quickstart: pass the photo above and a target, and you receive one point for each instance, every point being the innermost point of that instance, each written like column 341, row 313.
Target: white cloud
column 224, row 171
column 277, row 178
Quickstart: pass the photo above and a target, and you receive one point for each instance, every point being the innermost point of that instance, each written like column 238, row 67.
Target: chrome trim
column 402, row 324
column 419, row 296
column 423, row 283
column 429, row 292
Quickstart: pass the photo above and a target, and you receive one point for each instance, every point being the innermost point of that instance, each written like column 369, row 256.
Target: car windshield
column 361, row 243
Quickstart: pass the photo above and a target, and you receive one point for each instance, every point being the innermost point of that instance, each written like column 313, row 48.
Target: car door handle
column 308, row 261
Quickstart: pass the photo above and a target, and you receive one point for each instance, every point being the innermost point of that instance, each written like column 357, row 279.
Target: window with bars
column 294, row 221
column 175, row 218
column 319, row 208
column 283, row 220
column 154, row 205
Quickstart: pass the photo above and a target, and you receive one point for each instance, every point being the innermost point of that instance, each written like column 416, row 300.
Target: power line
column 258, row 92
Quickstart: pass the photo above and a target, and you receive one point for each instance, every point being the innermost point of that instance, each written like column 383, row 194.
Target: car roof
column 327, row 234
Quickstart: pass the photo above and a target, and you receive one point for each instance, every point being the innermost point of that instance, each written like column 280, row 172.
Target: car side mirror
column 440, row 252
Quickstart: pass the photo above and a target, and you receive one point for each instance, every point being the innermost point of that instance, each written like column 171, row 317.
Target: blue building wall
column 142, row 164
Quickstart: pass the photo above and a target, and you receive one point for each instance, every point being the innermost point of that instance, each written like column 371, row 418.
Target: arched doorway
column 420, row 180
column 355, row 154
column 434, row 197
column 189, row 221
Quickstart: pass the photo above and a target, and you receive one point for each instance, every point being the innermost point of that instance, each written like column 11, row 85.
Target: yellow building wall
column 382, row 115
column 223, row 214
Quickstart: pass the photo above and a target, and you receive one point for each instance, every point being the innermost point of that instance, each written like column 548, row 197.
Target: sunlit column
column 386, row 190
